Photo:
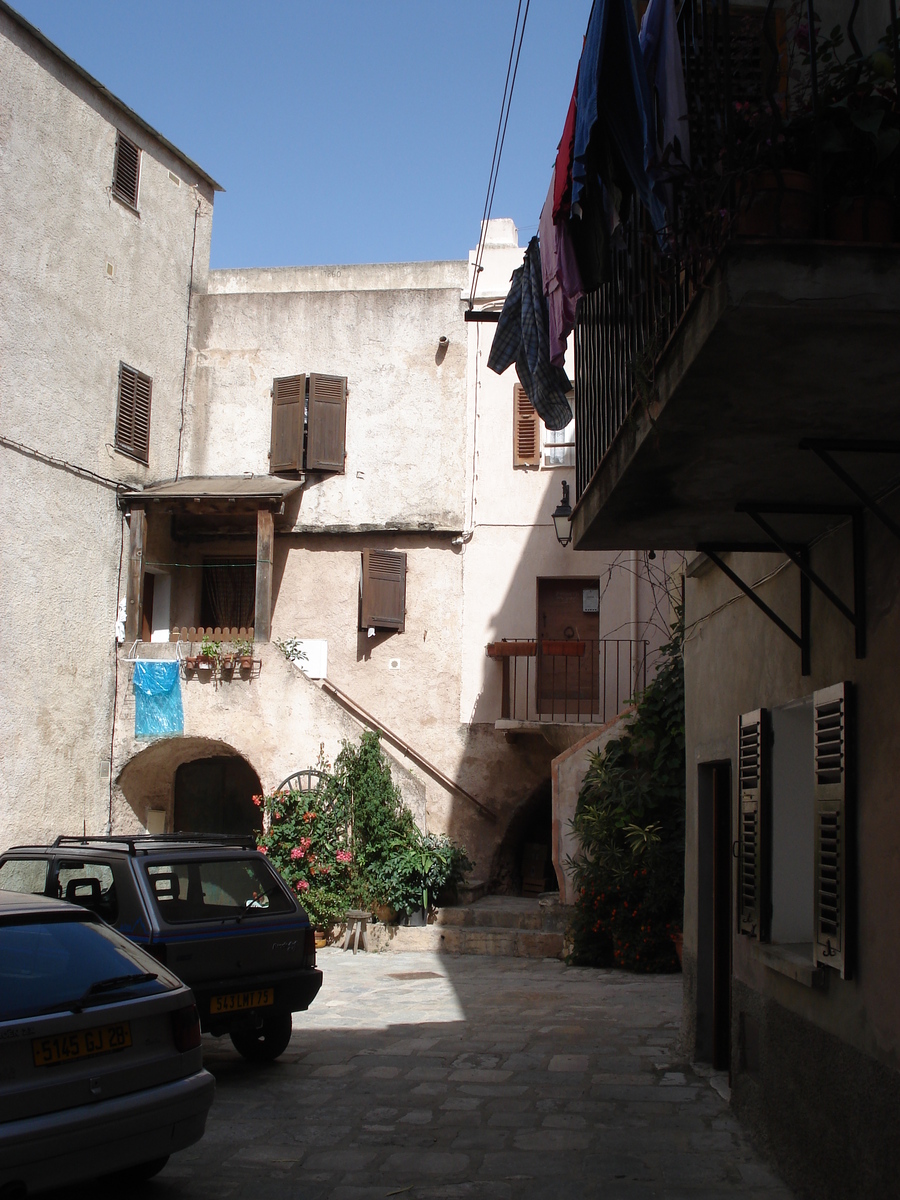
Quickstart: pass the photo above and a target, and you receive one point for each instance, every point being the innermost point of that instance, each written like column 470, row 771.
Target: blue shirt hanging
column 158, row 711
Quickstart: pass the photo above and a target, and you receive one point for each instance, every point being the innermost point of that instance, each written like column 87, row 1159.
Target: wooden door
column 568, row 633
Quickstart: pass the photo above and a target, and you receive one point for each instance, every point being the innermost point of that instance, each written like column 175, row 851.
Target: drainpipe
column 633, row 569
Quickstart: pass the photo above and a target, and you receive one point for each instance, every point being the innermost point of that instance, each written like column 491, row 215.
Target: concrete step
column 499, row 925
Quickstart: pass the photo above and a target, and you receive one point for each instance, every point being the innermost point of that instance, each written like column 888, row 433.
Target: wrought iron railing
column 735, row 61
column 569, row 681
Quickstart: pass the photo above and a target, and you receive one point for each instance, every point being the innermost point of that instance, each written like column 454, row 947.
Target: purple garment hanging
column 561, row 277
column 662, row 58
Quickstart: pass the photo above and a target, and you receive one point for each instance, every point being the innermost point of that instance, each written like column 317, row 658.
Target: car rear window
column 209, row 889
column 28, row 875
column 53, row 965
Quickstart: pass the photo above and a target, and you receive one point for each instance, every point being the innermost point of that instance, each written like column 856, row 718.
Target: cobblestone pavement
column 432, row 1076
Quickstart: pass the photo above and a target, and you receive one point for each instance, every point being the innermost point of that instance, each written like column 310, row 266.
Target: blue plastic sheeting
column 158, row 710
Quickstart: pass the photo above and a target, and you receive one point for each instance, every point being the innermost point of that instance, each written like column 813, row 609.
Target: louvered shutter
column 288, row 401
column 133, row 413
column 126, row 170
column 383, row 590
column 526, row 430
column 326, row 423
column 754, row 896
column 833, row 827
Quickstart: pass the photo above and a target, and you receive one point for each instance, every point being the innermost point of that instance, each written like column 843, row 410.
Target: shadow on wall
column 196, row 785
column 522, row 863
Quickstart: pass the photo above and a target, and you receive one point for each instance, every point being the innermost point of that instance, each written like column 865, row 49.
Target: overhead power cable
column 512, row 68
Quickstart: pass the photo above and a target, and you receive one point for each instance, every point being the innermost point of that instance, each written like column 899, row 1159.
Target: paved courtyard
column 435, row 1076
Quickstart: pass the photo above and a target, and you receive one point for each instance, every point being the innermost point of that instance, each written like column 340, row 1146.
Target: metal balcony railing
column 763, row 98
column 568, row 681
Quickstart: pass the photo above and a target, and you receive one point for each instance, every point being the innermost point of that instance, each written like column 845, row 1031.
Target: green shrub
column 629, row 875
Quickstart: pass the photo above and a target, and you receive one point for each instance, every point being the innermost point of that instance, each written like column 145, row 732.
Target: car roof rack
column 146, row 843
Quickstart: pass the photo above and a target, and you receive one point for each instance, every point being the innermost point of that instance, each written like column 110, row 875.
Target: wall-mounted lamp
column 562, row 518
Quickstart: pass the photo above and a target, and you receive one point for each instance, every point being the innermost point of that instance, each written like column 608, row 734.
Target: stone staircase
column 498, row 925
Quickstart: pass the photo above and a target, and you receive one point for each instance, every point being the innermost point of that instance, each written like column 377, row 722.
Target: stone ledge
column 794, row 960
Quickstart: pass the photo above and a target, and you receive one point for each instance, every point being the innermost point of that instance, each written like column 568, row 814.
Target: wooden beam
column 135, row 586
column 265, row 542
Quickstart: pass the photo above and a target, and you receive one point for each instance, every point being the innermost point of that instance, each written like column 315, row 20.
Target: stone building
column 312, row 455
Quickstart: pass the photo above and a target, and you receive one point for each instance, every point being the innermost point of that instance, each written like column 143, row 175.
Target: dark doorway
column 714, row 915
column 568, row 632
column 215, row 795
column 522, row 864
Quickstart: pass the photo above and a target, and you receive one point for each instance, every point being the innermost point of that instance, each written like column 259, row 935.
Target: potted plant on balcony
column 227, row 661
column 209, row 654
column 243, row 650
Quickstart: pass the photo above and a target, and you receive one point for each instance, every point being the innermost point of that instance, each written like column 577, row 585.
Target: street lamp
column 562, row 518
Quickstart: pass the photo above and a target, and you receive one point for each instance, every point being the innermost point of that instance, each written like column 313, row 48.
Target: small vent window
column 133, row 413
column 127, row 171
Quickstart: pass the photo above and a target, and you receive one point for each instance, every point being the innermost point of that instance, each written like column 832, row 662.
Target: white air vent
column 174, row 178
column 394, row 664
column 110, row 269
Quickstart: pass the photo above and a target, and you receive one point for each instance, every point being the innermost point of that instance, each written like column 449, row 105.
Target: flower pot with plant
column 209, row 654
column 243, row 651
column 422, row 866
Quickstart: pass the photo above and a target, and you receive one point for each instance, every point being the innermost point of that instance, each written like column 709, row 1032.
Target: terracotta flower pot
column 862, row 219
column 769, row 208
column 246, row 662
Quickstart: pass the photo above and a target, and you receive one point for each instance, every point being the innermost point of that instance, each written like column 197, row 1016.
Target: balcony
column 547, row 683
column 749, row 367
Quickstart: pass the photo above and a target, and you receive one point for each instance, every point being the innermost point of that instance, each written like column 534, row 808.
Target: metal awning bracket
column 824, row 448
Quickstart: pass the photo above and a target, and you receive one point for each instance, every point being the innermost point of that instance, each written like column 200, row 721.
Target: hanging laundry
column 562, row 187
column 613, row 109
column 561, row 278
column 661, row 49
column 158, row 711
column 523, row 338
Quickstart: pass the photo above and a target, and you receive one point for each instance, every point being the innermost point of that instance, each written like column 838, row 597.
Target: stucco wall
column 380, row 327
column 64, row 327
column 735, row 661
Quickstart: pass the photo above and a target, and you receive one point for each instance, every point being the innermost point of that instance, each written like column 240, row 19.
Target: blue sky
column 342, row 130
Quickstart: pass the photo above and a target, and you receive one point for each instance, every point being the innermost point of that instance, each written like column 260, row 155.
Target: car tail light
column 309, row 947
column 186, row 1028
column 158, row 950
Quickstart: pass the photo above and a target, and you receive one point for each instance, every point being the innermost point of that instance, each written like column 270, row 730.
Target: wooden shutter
column 383, row 590
column 526, row 430
column 326, row 423
column 288, row 401
column 133, row 413
column 126, row 170
column 833, row 827
column 754, row 830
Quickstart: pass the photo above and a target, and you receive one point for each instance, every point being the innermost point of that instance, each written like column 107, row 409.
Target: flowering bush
column 629, row 875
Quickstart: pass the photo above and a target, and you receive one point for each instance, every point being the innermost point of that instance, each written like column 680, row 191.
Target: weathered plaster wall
column 377, row 325
column 735, row 661
column 64, row 327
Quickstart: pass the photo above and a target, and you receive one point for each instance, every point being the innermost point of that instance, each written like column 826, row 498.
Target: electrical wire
column 512, row 68
column 187, row 342
column 61, row 464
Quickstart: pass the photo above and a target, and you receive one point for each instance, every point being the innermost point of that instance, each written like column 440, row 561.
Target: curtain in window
column 229, row 595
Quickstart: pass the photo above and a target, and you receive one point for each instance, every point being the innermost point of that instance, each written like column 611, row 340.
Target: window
column 309, row 420
column 126, row 171
column 203, row 891
column 383, row 590
column 794, row 885
column 228, row 600
column 27, row 875
column 133, row 413
column 533, row 443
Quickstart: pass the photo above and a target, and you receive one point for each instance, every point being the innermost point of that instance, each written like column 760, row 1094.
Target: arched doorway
column 215, row 795
column 522, row 863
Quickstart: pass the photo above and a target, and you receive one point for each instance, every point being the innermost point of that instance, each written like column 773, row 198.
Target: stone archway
column 197, row 785
column 530, row 825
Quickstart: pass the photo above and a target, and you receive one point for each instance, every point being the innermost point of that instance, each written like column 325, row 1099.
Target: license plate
column 66, row 1047
column 259, row 998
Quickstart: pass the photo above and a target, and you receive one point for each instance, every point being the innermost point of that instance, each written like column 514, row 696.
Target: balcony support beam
column 134, row 595
column 823, row 448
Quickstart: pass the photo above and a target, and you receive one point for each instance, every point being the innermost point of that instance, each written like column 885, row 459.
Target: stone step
column 458, row 939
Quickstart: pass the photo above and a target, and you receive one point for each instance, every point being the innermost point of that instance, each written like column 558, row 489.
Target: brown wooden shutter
column 288, row 401
column 326, row 423
column 126, row 170
column 133, row 413
column 754, row 827
column 833, row 827
column 526, row 430
column 383, row 590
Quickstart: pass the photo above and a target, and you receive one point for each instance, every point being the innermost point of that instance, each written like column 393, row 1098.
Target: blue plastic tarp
column 158, row 711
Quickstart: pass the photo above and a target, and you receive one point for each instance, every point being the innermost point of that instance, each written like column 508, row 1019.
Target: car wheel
column 267, row 1042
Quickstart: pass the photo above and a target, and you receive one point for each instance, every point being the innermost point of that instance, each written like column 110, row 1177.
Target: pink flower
column 302, row 886
column 344, row 856
column 257, row 800
column 297, row 852
column 262, row 849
